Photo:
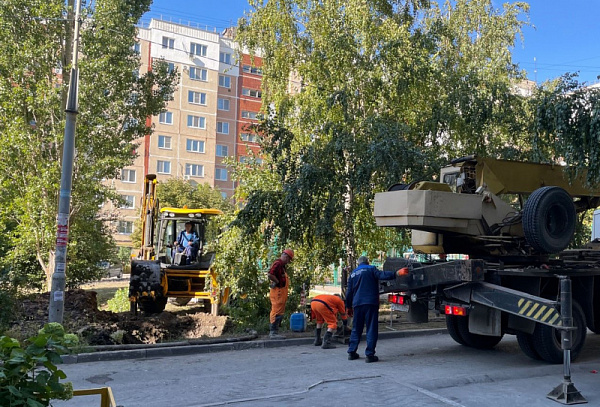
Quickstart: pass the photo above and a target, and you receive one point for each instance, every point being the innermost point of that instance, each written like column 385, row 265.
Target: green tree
column 114, row 102
column 385, row 91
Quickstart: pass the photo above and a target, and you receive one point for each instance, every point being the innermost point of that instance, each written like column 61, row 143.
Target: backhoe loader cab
column 162, row 271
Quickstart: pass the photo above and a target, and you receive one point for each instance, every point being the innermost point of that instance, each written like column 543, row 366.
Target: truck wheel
column 452, row 326
column 549, row 219
column 153, row 306
column 527, row 346
column 475, row 340
column 546, row 339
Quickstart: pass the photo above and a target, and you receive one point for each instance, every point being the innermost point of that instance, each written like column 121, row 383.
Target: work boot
column 274, row 332
column 371, row 359
column 278, row 320
column 318, row 340
column 353, row 356
column 327, row 341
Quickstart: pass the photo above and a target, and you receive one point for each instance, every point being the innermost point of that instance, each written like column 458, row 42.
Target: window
column 248, row 160
column 129, row 202
column 165, row 118
column 224, row 81
column 163, row 167
column 128, row 176
column 220, row 174
column 249, row 137
column 194, row 170
column 222, row 127
column 198, row 50
column 197, row 98
column 194, row 146
column 221, row 150
column 198, row 74
column 225, row 58
column 164, row 142
column 136, row 73
column 168, row 42
column 170, row 67
column 252, row 69
column 196, row 122
column 136, row 48
column 249, row 115
column 252, row 93
column 125, row 227
column 223, row 104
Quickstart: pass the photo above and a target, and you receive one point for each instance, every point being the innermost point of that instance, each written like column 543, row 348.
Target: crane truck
column 160, row 271
column 512, row 223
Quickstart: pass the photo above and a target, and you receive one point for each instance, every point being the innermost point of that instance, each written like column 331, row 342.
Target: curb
column 166, row 351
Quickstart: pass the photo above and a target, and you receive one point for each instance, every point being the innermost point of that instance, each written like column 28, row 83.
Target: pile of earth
column 96, row 327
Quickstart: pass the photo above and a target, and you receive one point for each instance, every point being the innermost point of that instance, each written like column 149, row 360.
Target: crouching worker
column 325, row 308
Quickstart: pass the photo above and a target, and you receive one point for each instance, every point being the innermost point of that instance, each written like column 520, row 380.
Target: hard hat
column 290, row 253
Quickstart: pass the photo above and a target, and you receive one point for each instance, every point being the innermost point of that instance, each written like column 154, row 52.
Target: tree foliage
column 384, row 92
column 114, row 102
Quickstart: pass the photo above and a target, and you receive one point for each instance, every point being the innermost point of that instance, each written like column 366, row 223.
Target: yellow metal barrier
column 106, row 397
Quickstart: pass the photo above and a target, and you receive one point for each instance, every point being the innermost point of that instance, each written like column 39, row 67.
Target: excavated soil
column 96, row 327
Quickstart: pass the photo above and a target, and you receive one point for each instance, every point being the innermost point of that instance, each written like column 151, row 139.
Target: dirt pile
column 96, row 327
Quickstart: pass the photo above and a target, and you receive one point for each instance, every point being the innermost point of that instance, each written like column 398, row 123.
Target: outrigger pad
column 566, row 393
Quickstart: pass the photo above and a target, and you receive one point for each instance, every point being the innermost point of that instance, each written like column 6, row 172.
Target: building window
column 223, row 104
column 198, row 74
column 225, row 57
column 198, row 50
column 222, row 150
column 163, row 167
column 194, row 170
column 129, row 202
column 220, row 174
column 249, row 115
column 196, row 98
column 164, row 142
column 165, row 118
column 224, row 81
column 249, row 137
column 170, row 67
column 252, row 69
column 251, row 92
column 222, row 127
column 124, row 227
column 196, row 122
column 137, row 48
column 168, row 42
column 194, row 146
column 128, row 176
column 247, row 160
column 136, row 74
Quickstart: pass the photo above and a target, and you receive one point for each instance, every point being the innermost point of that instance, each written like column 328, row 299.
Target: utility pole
column 57, row 292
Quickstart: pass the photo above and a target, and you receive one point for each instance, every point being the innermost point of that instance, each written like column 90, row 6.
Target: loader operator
column 325, row 308
column 362, row 302
column 188, row 243
column 278, row 293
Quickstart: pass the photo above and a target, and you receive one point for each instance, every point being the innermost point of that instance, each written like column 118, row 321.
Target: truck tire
column 475, row 340
column 549, row 219
column 452, row 326
column 546, row 339
column 153, row 306
column 527, row 345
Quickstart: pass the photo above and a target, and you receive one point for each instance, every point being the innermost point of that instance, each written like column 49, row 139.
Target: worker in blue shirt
column 362, row 301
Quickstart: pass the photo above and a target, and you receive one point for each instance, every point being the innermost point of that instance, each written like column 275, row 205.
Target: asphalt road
column 415, row 371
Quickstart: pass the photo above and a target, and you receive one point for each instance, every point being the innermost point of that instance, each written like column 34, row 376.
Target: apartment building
column 204, row 125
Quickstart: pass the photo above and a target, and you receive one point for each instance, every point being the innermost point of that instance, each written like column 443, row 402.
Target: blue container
column 298, row 322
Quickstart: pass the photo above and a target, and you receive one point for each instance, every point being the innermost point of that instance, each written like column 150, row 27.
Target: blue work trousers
column 365, row 314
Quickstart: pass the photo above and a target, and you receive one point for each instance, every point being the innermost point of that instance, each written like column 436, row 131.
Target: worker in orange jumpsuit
column 278, row 294
column 324, row 309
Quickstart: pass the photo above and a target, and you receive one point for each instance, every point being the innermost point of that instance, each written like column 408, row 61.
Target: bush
column 120, row 301
column 29, row 376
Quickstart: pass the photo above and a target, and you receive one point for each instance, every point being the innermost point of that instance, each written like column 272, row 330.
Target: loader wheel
column 549, row 219
column 452, row 326
column 527, row 345
column 475, row 340
column 546, row 339
column 182, row 301
column 153, row 306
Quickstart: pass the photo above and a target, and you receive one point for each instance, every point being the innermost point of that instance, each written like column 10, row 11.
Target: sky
column 563, row 36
